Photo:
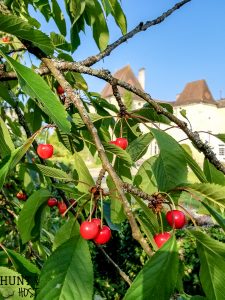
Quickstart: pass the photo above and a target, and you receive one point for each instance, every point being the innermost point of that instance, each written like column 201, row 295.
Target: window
column 156, row 149
column 222, row 150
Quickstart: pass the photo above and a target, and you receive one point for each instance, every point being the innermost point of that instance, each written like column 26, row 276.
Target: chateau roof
column 221, row 103
column 195, row 92
column 125, row 74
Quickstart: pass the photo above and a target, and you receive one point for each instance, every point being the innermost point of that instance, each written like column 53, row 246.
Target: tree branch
column 116, row 93
column 75, row 99
column 106, row 75
column 122, row 274
column 141, row 27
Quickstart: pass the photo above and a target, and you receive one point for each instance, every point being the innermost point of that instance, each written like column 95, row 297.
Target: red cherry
column 60, row 90
column 5, row 39
column 176, row 218
column 103, row 236
column 89, row 230
column 121, row 142
column 45, row 150
column 61, row 207
column 21, row 196
column 161, row 238
column 96, row 221
column 52, row 202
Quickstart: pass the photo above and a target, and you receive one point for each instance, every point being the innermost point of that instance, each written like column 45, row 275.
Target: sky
column 189, row 45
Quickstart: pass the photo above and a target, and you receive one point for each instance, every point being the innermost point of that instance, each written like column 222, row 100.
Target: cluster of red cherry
column 93, row 230
column 21, row 196
column 5, row 39
column 61, row 205
column 175, row 219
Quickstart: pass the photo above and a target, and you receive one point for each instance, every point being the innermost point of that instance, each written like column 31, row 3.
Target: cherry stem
column 91, row 205
column 4, row 249
column 186, row 211
column 73, row 204
column 161, row 222
column 101, row 208
column 121, row 128
column 141, row 118
column 46, row 135
column 114, row 128
column 170, row 199
column 81, row 208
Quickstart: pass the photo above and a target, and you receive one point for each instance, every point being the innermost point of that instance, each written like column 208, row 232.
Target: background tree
column 51, row 100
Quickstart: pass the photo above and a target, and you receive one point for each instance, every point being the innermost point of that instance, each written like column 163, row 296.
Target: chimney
column 141, row 77
column 177, row 96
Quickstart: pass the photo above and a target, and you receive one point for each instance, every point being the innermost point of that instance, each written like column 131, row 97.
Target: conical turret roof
column 125, row 74
column 195, row 92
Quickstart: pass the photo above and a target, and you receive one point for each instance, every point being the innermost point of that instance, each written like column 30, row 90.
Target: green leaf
column 214, row 193
column 14, row 126
column 122, row 154
column 98, row 101
column 71, row 142
column 118, row 15
column 123, row 170
column 6, row 144
column 151, row 217
column 68, row 273
column 147, row 229
column 144, row 178
column 194, row 166
column 53, row 172
column 98, row 22
column 22, row 265
column 13, row 292
column 5, row 94
column 23, row 30
column 80, row 82
column 148, row 113
column 59, row 41
column 58, row 17
column 157, row 280
column 33, row 115
column 117, row 214
column 69, row 230
column 75, row 8
column 170, row 168
column 138, row 147
column 9, row 163
column 212, row 265
column 220, row 136
column 183, row 113
column 30, row 215
column 85, row 179
column 44, row 8
column 218, row 218
column 35, row 86
column 212, row 174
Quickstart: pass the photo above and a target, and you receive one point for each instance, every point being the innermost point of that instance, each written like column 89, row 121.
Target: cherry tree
column 52, row 98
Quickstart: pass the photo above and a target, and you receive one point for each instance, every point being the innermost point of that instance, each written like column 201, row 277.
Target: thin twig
column 139, row 28
column 122, row 273
column 100, row 177
column 116, row 93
